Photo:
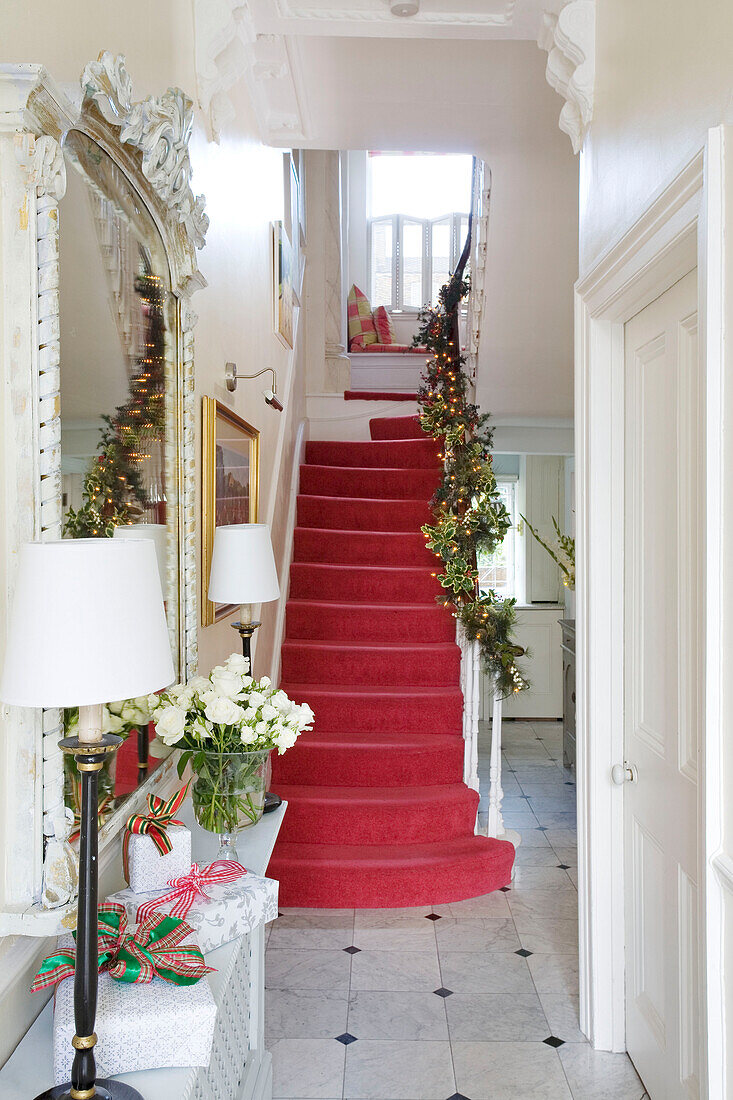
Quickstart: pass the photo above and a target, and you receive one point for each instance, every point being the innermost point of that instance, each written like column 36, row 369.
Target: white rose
column 116, row 708
column 198, row 683
column 185, row 699
column 154, row 702
column 281, row 701
column 133, row 715
column 285, row 739
column 268, row 711
column 111, row 723
column 248, row 735
column 261, row 729
column 170, row 724
column 265, row 682
column 256, row 699
column 236, row 662
column 223, row 711
column 201, row 728
column 225, row 682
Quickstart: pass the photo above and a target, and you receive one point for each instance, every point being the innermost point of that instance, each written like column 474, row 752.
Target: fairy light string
column 470, row 517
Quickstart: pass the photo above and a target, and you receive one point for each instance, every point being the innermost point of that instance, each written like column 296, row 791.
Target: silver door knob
column 624, row 773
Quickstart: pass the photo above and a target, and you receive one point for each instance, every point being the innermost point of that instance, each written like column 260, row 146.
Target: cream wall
column 663, row 78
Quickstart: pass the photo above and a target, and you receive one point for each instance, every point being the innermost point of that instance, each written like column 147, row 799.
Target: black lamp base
column 105, row 1089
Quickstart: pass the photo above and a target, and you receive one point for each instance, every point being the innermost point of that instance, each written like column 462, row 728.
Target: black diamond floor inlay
column 542, row 828
column 553, row 1041
column 352, row 950
column 504, row 889
column 443, row 992
column 564, row 866
column 432, row 916
column 523, row 952
column 346, row 1039
column 457, row 1096
column 569, row 783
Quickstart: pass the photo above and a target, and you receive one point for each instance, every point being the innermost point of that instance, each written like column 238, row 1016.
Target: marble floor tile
column 307, row 969
column 552, row 876
column 496, row 1017
column 533, row 838
column 406, row 1016
column 529, row 902
column 536, row 857
column 554, row 973
column 481, row 972
column 305, row 1013
column 562, row 838
column 548, row 936
column 394, row 929
column 598, row 1075
column 307, row 1068
column 509, row 1071
column 558, row 820
column 488, row 905
column 395, row 971
column 520, row 820
column 377, row 1070
column 314, row 929
column 476, row 934
column 567, row 855
column 561, row 1011
column 388, row 918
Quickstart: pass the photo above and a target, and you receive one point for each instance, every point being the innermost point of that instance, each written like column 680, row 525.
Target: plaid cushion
column 361, row 325
column 384, row 326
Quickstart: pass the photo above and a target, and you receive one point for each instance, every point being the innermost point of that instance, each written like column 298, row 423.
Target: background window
column 417, row 217
column 498, row 571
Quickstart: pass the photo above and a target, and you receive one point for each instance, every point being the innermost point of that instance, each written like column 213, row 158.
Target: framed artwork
column 230, row 486
column 283, row 302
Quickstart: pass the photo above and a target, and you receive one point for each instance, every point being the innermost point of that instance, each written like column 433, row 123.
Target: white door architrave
column 666, row 243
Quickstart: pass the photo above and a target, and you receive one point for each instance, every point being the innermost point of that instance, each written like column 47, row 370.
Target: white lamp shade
column 158, row 532
column 87, row 624
column 242, row 565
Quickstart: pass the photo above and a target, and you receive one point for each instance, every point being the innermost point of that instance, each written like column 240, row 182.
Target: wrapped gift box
column 138, row 1026
column 233, row 909
column 149, row 870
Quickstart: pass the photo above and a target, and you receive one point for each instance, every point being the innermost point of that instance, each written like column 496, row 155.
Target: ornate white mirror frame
column 148, row 141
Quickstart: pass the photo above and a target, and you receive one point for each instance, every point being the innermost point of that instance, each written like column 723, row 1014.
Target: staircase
column 379, row 815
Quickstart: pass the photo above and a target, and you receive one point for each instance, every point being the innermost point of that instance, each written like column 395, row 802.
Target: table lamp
column 87, row 626
column 243, row 571
column 158, row 533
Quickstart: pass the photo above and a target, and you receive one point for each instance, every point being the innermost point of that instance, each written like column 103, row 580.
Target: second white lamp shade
column 243, row 565
column 87, row 624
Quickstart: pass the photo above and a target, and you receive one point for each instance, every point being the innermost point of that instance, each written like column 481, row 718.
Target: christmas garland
column 113, row 492
column 470, row 517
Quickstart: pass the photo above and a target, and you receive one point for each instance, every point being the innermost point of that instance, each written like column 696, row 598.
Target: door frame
column 668, row 241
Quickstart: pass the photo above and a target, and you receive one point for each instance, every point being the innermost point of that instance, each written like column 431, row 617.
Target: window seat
column 382, row 368
column 388, row 349
column 240, row 1066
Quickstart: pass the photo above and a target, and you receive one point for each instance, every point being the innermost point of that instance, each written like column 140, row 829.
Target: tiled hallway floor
column 477, row 999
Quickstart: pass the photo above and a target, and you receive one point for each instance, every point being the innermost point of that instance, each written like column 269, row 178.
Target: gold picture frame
column 230, row 454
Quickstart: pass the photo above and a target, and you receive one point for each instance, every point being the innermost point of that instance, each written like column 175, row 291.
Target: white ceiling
column 373, row 18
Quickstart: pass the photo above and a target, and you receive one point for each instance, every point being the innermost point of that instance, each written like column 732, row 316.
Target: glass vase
column 229, row 793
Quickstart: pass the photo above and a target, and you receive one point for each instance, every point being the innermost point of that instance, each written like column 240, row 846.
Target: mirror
column 120, row 404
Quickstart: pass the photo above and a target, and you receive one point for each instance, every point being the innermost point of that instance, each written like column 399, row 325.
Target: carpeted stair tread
column 363, row 584
column 331, row 621
column 388, row 483
column 358, row 759
column 414, row 664
column 396, row 427
column 378, row 395
column 391, row 875
column 379, row 708
column 362, row 514
column 376, row 454
column 403, row 548
column 375, row 815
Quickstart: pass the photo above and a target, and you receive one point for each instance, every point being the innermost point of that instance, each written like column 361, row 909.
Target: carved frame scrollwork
column 148, row 141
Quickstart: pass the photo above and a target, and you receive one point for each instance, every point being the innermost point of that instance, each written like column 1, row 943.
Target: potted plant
column 226, row 725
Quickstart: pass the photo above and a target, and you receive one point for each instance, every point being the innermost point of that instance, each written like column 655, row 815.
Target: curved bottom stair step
column 336, row 876
column 378, row 815
column 371, row 760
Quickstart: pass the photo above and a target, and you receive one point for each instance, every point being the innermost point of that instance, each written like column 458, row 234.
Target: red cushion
column 384, row 326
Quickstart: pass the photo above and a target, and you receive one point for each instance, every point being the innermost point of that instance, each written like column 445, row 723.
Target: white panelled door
column 664, row 480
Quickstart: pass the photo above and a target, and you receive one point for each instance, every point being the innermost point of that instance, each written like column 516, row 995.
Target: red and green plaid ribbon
column 154, row 950
column 154, row 824
column 104, row 809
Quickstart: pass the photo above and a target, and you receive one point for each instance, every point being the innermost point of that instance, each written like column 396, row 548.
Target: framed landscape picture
column 230, row 486
column 283, row 303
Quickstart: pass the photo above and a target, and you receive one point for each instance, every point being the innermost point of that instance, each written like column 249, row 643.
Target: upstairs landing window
column 414, row 244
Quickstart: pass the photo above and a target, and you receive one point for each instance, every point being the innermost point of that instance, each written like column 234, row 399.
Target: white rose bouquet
column 226, row 725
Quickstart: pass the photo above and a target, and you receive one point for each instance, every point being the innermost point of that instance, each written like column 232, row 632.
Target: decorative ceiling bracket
column 228, row 48
column 568, row 36
column 160, row 128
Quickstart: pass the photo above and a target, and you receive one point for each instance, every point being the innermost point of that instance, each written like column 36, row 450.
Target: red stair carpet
column 378, row 813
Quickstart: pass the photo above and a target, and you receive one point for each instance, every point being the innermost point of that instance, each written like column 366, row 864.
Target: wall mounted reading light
column 232, row 377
